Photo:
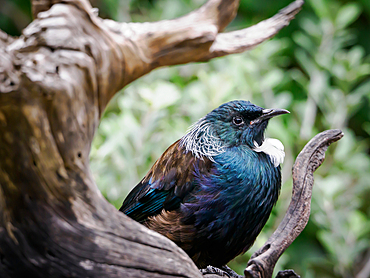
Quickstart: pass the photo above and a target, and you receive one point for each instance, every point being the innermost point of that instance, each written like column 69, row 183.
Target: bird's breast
column 233, row 202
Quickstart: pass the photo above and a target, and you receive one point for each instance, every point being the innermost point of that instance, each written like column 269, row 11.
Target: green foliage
column 318, row 68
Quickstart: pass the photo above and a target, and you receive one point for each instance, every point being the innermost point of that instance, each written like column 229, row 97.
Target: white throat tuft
column 273, row 148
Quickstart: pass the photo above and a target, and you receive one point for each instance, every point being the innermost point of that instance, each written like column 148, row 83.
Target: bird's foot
column 289, row 273
column 224, row 271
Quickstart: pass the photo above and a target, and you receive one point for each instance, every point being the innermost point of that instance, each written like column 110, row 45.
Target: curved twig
column 310, row 158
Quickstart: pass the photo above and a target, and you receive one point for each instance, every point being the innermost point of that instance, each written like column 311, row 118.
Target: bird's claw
column 223, row 271
column 289, row 273
column 213, row 270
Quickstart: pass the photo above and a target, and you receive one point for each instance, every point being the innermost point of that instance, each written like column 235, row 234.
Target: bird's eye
column 238, row 120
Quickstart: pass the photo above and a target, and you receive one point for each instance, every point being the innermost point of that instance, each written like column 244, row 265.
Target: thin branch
column 243, row 40
column 310, row 158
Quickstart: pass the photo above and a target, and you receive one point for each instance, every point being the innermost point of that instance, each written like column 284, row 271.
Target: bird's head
column 240, row 122
column 234, row 123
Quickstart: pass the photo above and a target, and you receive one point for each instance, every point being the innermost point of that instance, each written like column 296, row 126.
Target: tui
column 212, row 191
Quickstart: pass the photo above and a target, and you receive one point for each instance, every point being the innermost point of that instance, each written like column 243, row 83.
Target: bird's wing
column 169, row 180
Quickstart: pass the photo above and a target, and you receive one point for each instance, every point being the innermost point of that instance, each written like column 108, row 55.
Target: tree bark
column 55, row 82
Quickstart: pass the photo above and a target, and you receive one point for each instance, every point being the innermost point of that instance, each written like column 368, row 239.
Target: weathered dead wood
column 6, row 68
column 194, row 37
column 4, row 39
column 55, row 81
column 246, row 39
column 44, row 5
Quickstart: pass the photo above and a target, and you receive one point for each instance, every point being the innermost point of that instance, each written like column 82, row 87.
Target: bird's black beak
column 268, row 114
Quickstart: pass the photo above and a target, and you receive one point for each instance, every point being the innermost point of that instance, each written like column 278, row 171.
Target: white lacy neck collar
column 201, row 141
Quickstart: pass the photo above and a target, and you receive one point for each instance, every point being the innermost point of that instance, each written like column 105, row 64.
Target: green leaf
column 347, row 15
column 321, row 8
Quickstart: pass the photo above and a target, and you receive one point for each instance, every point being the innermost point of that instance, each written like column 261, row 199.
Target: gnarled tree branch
column 194, row 37
column 130, row 50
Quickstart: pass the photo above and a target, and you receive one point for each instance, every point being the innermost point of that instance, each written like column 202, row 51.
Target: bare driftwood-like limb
column 194, row 37
column 310, row 158
column 55, row 81
column 246, row 39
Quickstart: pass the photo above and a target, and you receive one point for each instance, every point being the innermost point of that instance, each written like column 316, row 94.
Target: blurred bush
column 318, row 68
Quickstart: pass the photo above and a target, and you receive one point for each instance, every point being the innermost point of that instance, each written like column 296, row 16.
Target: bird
column 212, row 191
